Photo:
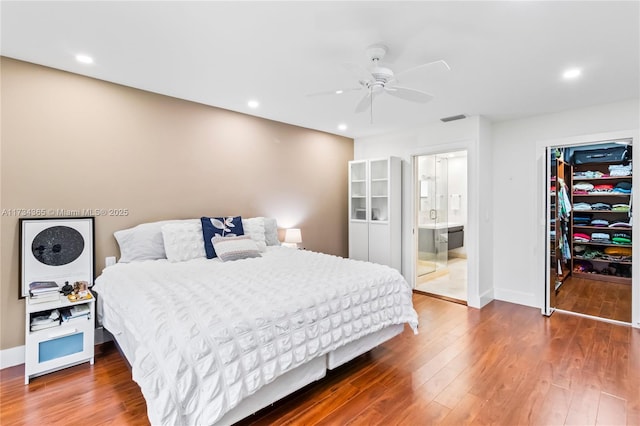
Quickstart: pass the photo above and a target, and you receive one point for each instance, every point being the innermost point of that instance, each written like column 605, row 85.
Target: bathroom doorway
column 441, row 218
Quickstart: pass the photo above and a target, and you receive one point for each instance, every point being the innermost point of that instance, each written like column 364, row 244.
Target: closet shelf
column 603, row 260
column 601, row 211
column 601, row 244
column 600, row 264
column 603, row 228
column 614, row 178
column 602, row 194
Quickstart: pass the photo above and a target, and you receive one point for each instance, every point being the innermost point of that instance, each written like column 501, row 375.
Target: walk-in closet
column 589, row 211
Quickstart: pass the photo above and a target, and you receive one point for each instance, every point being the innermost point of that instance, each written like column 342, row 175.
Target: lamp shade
column 293, row 235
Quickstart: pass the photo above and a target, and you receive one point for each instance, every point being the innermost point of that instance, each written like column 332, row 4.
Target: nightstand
column 62, row 345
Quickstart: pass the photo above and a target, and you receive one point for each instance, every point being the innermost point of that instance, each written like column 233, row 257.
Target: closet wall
column 518, row 176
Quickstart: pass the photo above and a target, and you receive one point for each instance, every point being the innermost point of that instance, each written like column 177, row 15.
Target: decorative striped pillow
column 235, row 248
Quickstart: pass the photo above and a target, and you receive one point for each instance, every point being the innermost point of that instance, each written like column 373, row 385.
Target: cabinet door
column 358, row 191
column 379, row 190
column 359, row 240
column 380, row 243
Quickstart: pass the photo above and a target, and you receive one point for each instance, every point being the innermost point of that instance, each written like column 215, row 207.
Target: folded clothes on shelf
column 581, row 220
column 620, row 225
column 600, row 237
column 590, row 174
column 582, row 186
column 620, row 170
column 622, row 188
column 599, row 222
column 600, row 206
column 621, row 238
column 581, row 206
column 580, row 237
column 620, row 208
column 604, row 188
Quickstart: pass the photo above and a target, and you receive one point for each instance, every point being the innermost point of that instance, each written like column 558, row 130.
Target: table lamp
column 292, row 237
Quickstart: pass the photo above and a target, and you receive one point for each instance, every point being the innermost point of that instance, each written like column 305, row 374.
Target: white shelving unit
column 61, row 346
column 375, row 211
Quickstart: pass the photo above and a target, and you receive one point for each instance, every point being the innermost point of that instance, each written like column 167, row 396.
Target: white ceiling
column 506, row 57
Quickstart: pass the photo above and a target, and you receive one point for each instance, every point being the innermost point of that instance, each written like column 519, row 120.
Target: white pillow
column 144, row 241
column 183, row 241
column 235, row 248
column 271, row 231
column 254, row 228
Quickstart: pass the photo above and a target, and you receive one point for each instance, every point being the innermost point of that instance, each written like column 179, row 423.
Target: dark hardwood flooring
column 505, row 364
column 597, row 298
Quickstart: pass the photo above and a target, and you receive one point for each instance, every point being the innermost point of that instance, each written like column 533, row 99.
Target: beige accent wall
column 71, row 142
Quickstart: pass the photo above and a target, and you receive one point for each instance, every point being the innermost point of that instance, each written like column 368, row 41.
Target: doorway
column 441, row 218
column 589, row 229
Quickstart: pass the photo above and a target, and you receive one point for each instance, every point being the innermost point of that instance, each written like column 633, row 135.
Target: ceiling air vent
column 453, row 118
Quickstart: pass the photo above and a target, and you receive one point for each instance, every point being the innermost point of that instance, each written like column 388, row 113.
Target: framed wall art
column 56, row 249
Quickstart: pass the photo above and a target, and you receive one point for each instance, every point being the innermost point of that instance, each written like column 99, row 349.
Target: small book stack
column 75, row 313
column 43, row 291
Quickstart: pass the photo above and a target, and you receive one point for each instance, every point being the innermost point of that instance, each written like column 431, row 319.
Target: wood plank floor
column 505, row 364
column 597, row 298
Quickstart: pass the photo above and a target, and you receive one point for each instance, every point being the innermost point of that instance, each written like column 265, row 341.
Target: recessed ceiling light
column 572, row 73
column 253, row 104
column 342, row 127
column 339, row 92
column 85, row 59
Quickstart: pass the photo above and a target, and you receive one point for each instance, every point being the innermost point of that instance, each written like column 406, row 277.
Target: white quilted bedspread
column 211, row 333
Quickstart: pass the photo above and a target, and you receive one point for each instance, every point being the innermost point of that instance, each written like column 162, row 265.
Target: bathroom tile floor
column 448, row 282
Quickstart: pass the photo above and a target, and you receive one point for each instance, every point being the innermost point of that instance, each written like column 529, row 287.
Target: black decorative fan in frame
column 56, row 249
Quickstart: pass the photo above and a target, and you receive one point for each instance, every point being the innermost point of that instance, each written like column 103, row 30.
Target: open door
column 550, row 196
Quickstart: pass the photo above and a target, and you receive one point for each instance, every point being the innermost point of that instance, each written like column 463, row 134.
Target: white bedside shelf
column 58, row 347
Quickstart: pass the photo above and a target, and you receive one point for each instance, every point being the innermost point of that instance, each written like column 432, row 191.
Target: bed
column 212, row 341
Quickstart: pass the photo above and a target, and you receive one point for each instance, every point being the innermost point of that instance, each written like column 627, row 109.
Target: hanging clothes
column 564, row 211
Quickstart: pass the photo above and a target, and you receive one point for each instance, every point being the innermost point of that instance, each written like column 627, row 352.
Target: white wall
column 469, row 134
column 516, row 177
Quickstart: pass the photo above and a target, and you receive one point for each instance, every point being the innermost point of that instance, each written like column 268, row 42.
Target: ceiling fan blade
column 364, row 103
column 334, row 92
column 409, row 94
column 441, row 62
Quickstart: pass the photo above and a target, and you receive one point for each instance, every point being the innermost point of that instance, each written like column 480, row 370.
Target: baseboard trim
column 486, row 297
column 517, row 297
column 11, row 357
column 479, row 301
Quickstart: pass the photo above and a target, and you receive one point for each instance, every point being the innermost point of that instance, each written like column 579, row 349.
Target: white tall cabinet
column 375, row 191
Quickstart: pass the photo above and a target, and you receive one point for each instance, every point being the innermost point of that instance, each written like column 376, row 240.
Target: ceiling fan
column 377, row 79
